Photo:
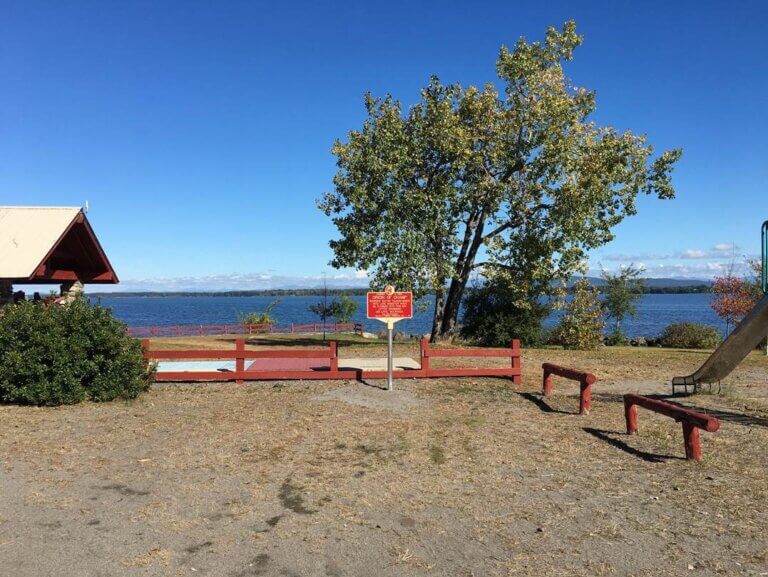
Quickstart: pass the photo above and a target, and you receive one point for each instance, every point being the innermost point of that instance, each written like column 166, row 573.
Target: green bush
column 581, row 326
column 492, row 317
column 54, row 355
column 690, row 336
column 616, row 338
column 260, row 318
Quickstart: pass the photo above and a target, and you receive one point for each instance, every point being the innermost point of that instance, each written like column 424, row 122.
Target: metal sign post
column 390, row 356
column 389, row 307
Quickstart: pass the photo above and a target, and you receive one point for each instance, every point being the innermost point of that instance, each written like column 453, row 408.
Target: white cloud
column 698, row 270
column 719, row 251
column 236, row 281
column 634, row 257
column 690, row 253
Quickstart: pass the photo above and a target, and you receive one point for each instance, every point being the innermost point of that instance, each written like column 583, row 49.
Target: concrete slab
column 194, row 366
column 289, row 365
column 378, row 364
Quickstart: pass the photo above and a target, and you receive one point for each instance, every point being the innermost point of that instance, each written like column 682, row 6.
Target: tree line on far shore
column 698, row 288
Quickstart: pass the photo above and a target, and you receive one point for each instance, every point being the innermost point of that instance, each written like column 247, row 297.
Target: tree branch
column 511, row 224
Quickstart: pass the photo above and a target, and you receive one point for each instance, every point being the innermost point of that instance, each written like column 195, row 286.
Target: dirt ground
column 443, row 477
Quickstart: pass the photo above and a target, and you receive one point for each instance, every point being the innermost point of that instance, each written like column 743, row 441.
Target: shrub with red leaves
column 734, row 298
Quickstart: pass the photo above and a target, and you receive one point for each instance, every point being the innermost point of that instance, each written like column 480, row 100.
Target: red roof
column 75, row 255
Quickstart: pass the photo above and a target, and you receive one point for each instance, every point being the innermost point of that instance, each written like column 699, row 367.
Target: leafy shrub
column 621, row 291
column 493, row 317
column 54, row 355
column 582, row 324
column 259, row 318
column 690, row 336
column 616, row 338
column 343, row 308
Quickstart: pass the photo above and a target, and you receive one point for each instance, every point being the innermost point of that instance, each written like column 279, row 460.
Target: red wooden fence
column 513, row 353
column 333, row 370
column 586, row 380
column 241, row 329
column 691, row 420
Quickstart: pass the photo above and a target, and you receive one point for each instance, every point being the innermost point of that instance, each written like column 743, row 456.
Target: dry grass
column 483, row 479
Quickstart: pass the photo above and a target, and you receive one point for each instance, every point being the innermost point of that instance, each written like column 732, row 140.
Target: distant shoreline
column 236, row 293
column 700, row 288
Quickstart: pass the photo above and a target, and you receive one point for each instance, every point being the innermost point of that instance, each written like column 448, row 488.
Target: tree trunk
column 451, row 310
column 437, row 319
column 459, row 282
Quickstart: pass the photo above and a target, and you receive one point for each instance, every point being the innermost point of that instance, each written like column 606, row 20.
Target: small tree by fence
column 343, row 308
column 622, row 290
column 260, row 318
column 582, row 324
column 736, row 296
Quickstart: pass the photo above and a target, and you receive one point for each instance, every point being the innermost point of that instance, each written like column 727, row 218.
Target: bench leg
column 692, row 442
column 585, row 399
column 630, row 416
column 547, row 385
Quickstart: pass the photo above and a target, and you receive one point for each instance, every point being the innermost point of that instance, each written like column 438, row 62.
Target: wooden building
column 42, row 245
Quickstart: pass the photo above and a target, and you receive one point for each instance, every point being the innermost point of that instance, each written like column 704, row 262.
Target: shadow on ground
column 543, row 406
column 610, row 438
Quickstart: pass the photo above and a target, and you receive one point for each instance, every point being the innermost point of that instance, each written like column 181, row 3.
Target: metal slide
column 747, row 335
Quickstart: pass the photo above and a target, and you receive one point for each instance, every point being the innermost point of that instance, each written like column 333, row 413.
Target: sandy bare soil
column 444, row 477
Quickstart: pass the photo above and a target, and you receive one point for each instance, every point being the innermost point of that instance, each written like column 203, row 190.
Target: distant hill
column 661, row 285
column 656, row 282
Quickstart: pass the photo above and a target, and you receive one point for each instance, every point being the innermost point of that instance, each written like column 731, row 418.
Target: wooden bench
column 691, row 420
column 586, row 380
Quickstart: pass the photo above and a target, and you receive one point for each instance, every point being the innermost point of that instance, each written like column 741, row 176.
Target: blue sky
column 200, row 132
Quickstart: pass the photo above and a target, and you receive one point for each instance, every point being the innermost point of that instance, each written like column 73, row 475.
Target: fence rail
column 242, row 329
column 513, row 353
column 333, row 369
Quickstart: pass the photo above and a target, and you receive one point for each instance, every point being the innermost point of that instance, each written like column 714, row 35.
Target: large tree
column 519, row 184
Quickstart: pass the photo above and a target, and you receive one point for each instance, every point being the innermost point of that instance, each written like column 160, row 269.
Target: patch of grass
column 385, row 452
column 370, row 449
column 437, row 454
column 465, row 390
column 474, row 422
column 660, row 437
column 727, row 391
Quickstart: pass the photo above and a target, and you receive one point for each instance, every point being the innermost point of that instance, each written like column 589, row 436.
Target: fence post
column 630, row 416
column 692, row 442
column 585, row 398
column 516, row 362
column 145, row 352
column 240, row 360
column 547, row 385
column 334, row 356
column 424, row 358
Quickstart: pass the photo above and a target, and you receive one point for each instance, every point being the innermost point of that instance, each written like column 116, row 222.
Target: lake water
column 655, row 311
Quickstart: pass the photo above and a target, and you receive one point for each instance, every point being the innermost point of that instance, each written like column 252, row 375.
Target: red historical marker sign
column 389, row 305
